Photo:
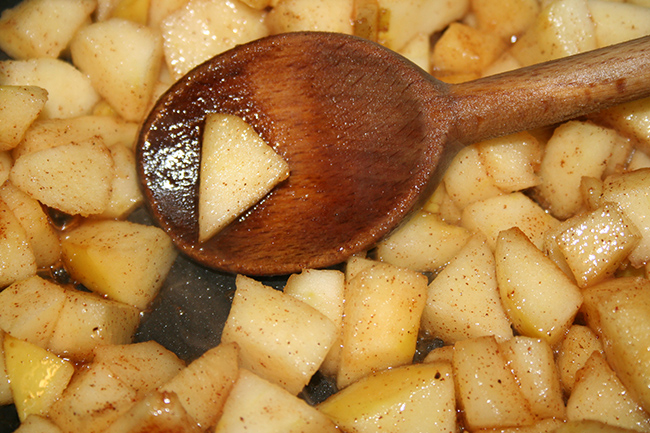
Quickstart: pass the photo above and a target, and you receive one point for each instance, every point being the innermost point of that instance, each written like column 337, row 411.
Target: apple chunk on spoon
column 363, row 130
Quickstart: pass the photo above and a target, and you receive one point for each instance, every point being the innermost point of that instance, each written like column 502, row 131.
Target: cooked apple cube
column 283, row 412
column 30, row 308
column 405, row 399
column 42, row 28
column 19, row 107
column 599, row 395
column 37, row 377
column 122, row 60
column 510, row 18
column 301, row 335
column 595, row 244
column 618, row 22
column 590, row 426
column 400, row 21
column 132, row 10
column 69, row 92
column 88, row 320
column 47, row 133
column 423, row 243
column 487, row 391
column 631, row 118
column 533, row 364
column 493, row 215
column 463, row 48
column 512, row 161
column 463, row 300
column 145, row 366
column 576, row 149
column 467, row 180
column 382, row 310
column 311, row 15
column 237, row 170
column 619, row 310
column 222, row 26
column 17, row 259
column 562, row 28
column 156, row 412
column 540, row 300
column 630, row 192
column 576, row 347
column 203, row 387
column 74, row 178
column 125, row 261
column 93, row 400
column 43, row 239
column 126, row 194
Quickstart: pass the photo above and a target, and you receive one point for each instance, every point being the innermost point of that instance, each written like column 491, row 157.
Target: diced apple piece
column 618, row 22
column 5, row 388
column 595, row 244
column 44, row 134
column 17, row 259
column 37, row 424
column 160, row 9
column 283, row 412
column 630, row 119
column 533, row 364
column 401, row 20
column 19, row 107
column 301, row 335
column 577, row 346
column 43, row 239
column 466, row 179
column 156, row 412
column 463, row 300
column 493, row 215
column 463, row 48
column 93, row 400
column 88, row 320
column 487, row 391
column 540, row 300
column 125, row 261
column 42, row 28
column 74, row 178
column 237, row 170
column 576, row 149
column 510, row 18
column 30, row 308
column 320, row 288
column 382, row 310
column 563, row 28
column 441, row 204
column 69, row 92
column 203, row 387
column 202, row 29
column 423, row 243
column 619, row 311
column 311, row 15
column 37, row 377
column 126, row 194
column 511, row 161
column 599, row 395
column 405, row 399
column 132, row 10
column 122, row 60
column 144, row 366
column 418, row 51
column 630, row 192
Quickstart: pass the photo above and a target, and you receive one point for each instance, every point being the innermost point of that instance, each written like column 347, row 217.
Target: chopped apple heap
column 237, row 170
column 530, row 262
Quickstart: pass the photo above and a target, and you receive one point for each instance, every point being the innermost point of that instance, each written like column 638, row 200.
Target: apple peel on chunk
column 238, row 169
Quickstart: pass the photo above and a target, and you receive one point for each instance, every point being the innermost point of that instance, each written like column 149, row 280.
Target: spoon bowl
column 366, row 133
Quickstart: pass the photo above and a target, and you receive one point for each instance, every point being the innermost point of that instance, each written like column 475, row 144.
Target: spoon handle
column 552, row 92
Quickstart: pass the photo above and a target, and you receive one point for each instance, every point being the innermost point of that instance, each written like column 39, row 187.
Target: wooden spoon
column 366, row 133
